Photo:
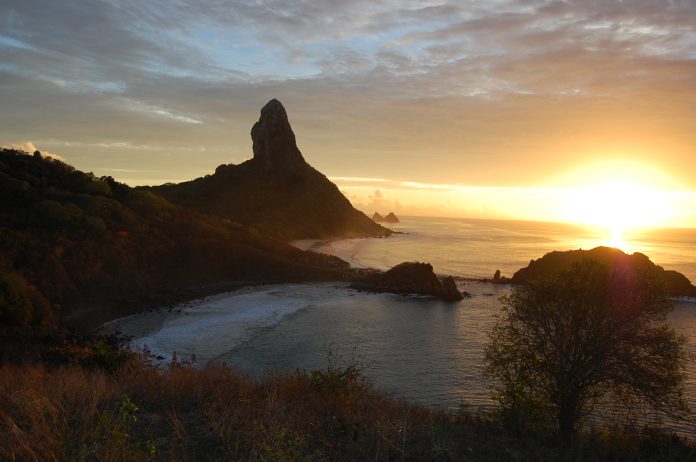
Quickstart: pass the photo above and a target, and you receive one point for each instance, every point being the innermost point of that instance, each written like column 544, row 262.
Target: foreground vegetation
column 107, row 405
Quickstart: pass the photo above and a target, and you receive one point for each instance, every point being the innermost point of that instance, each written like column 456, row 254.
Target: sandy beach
column 211, row 326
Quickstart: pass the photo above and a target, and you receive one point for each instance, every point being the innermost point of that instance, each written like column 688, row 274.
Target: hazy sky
column 464, row 108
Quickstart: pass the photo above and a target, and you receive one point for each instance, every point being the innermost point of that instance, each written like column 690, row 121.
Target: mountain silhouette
column 276, row 193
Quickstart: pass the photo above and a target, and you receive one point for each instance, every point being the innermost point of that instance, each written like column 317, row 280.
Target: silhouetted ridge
column 674, row 283
column 276, row 193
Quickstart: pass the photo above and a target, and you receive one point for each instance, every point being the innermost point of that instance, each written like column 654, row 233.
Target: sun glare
column 617, row 196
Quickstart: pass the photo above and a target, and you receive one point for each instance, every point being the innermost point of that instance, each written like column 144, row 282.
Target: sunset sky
column 579, row 111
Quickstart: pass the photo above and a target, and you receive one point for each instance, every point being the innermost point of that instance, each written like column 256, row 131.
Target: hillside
column 674, row 283
column 276, row 192
column 89, row 249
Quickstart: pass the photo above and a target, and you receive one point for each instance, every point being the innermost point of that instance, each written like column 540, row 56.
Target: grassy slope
column 137, row 413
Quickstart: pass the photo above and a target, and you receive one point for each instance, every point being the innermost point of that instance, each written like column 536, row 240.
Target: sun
column 616, row 196
column 617, row 203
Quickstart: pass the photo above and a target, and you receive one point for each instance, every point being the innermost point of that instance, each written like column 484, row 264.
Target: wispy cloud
column 372, row 87
column 139, row 106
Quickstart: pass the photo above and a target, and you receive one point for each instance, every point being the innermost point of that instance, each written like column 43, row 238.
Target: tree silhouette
column 565, row 342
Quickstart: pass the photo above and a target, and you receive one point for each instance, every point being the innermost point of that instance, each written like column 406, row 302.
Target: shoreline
column 90, row 314
column 327, row 247
column 225, row 319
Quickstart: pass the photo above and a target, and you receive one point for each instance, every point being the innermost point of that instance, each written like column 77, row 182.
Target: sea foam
column 212, row 326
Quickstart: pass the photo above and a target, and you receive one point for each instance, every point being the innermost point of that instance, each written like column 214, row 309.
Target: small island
column 411, row 278
column 389, row 218
column 672, row 282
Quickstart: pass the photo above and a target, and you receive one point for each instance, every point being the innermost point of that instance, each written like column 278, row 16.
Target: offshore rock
column 377, row 217
column 674, row 283
column 410, row 278
column 391, row 218
column 450, row 291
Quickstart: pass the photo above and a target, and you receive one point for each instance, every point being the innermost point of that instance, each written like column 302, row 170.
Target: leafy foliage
column 565, row 342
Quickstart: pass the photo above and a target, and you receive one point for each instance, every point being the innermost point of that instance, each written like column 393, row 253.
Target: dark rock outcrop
column 410, row 278
column 273, row 140
column 391, row 218
column 276, row 193
column 675, row 283
column 449, row 289
column 377, row 218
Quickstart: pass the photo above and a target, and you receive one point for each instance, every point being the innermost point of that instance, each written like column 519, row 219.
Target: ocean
column 476, row 248
column 416, row 348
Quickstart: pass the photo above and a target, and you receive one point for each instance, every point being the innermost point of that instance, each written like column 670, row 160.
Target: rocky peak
column 377, row 217
column 274, row 141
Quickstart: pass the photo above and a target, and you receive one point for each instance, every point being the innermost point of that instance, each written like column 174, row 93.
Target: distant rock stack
column 273, row 140
column 391, row 218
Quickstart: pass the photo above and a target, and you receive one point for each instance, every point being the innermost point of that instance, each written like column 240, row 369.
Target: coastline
column 223, row 320
column 147, row 317
column 343, row 248
column 90, row 315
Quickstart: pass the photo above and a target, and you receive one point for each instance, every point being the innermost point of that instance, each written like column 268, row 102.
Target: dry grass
column 215, row 413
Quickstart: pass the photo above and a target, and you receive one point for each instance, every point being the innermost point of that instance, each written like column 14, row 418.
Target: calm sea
column 476, row 248
column 419, row 349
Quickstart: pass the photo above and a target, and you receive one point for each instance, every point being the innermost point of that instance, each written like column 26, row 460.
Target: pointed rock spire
column 273, row 140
